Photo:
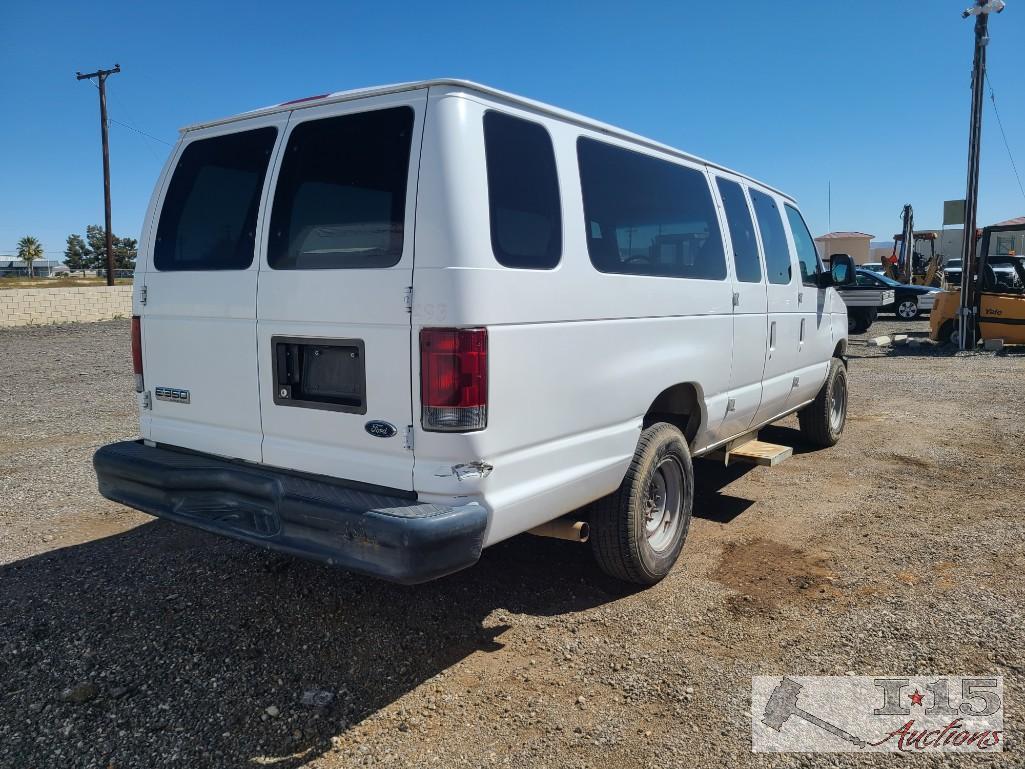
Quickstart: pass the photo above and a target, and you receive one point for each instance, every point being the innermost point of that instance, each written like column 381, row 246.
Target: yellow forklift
column 912, row 266
column 1000, row 277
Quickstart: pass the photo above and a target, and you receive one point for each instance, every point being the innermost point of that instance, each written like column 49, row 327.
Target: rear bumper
column 393, row 537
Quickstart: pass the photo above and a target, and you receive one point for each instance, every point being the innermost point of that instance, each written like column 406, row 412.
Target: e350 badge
column 172, row 394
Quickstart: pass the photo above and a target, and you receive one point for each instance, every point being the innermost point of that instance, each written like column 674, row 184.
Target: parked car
column 952, row 272
column 119, row 272
column 587, row 311
column 909, row 301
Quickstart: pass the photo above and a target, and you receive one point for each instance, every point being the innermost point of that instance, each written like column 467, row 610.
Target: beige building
column 856, row 244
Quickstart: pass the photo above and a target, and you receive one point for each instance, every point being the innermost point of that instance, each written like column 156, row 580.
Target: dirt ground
column 899, row 551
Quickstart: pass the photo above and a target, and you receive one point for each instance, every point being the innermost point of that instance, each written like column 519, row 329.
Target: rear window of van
column 523, row 193
column 647, row 216
column 208, row 220
column 340, row 201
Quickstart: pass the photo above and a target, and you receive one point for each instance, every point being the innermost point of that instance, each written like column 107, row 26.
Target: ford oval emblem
column 380, row 429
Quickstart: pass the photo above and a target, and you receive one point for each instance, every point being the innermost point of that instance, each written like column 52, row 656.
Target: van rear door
column 199, row 292
column 333, row 325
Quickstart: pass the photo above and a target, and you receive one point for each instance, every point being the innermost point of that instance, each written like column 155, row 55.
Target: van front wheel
column 822, row 421
column 637, row 532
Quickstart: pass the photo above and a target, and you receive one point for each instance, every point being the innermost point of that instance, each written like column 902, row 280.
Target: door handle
column 736, row 299
column 802, row 330
column 772, row 335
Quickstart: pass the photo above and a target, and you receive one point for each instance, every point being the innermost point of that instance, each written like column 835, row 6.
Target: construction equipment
column 998, row 280
column 910, row 265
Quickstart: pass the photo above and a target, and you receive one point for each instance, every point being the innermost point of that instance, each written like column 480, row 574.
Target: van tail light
column 454, row 379
column 137, row 352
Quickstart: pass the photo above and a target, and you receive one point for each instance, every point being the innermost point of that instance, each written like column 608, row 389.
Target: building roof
column 1019, row 222
column 494, row 93
column 838, row 235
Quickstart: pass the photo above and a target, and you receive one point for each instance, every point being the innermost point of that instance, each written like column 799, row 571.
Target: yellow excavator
column 907, row 264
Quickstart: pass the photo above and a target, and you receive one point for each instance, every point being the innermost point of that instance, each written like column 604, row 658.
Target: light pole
column 969, row 283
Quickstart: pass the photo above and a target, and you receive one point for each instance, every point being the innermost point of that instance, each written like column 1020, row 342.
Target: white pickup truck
column 863, row 303
column 390, row 327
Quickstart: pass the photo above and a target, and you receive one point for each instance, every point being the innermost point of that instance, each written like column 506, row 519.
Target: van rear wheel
column 638, row 531
column 823, row 420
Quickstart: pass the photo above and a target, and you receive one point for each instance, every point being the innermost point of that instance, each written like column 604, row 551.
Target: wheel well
column 679, row 405
column 841, row 349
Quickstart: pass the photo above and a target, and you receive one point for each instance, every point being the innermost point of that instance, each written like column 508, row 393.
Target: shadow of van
column 188, row 638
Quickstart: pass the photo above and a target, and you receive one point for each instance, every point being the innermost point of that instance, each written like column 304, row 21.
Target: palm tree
column 29, row 249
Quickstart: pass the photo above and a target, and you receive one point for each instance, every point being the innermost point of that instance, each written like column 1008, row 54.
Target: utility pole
column 967, row 323
column 101, row 75
column 829, row 205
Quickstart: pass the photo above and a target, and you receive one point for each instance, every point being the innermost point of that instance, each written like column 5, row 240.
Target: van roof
column 456, row 83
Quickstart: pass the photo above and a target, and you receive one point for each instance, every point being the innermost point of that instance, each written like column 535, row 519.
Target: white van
column 390, row 327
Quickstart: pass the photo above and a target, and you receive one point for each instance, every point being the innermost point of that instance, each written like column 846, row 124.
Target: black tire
column 907, row 309
column 948, row 333
column 622, row 539
column 857, row 323
column 821, row 423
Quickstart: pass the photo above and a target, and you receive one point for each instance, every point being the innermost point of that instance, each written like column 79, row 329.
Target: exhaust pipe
column 562, row 528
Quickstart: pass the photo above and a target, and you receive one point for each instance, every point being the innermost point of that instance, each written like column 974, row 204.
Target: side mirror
column 841, row 270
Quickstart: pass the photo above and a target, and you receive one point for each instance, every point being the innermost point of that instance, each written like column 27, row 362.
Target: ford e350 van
column 390, row 327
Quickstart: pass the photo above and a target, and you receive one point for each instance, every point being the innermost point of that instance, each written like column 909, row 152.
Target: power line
column 120, row 107
column 993, row 98
column 131, row 127
column 138, row 131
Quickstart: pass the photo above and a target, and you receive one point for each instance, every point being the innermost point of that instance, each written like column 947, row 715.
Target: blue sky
column 871, row 96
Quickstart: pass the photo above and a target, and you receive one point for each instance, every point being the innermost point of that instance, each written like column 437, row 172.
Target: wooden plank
column 761, row 453
column 722, row 454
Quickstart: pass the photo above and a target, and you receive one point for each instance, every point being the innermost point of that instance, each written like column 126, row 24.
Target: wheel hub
column 663, row 506
column 837, row 404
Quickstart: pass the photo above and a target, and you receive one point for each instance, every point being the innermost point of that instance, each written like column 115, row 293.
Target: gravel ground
column 130, row 642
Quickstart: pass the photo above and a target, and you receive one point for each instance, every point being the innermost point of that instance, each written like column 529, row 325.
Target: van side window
column 646, row 216
column 742, row 231
column 774, row 238
column 807, row 256
column 208, row 219
column 523, row 193
column 340, row 202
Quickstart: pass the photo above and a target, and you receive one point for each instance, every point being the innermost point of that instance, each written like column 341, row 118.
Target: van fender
column 683, row 405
